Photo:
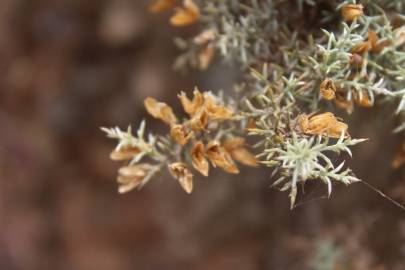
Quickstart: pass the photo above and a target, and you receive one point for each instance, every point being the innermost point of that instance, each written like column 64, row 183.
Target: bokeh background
column 69, row 67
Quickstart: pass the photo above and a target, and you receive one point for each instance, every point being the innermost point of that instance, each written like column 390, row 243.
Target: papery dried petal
column 323, row 124
column 361, row 48
column 125, row 153
column 327, row 89
column 216, row 112
column 129, row 177
column 199, row 121
column 199, row 161
column 162, row 5
column 351, row 12
column 236, row 147
column 337, row 130
column 181, row 172
column 186, row 15
column 221, row 158
column 160, row 110
column 180, row 134
column 191, row 107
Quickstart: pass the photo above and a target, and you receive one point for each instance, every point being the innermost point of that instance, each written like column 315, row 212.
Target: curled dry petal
column 160, row 110
column 199, row 121
column 351, row 12
column 125, row 153
column 323, row 124
column 162, row 5
column 191, row 107
column 186, row 15
column 180, row 134
column 221, row 158
column 199, row 161
column 216, row 112
column 372, row 44
column 180, row 171
column 129, row 177
column 236, row 147
column 327, row 89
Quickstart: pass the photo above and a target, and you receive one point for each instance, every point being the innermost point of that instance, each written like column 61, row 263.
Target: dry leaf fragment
column 220, row 157
column 236, row 147
column 351, row 12
column 199, row 161
column 160, row 110
column 180, row 172
column 327, row 89
column 129, row 177
column 180, row 134
column 186, row 15
column 162, row 5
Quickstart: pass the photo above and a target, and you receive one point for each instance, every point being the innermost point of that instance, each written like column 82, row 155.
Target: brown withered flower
column 129, row 177
column 160, row 110
column 162, row 5
column 220, row 157
column 191, row 107
column 372, row 44
column 186, row 15
column 199, row 121
column 375, row 44
column 205, row 101
column 351, row 12
column 200, row 163
column 124, row 153
column 399, row 159
column 181, row 172
column 363, row 99
column 236, row 147
column 180, row 134
column 327, row 89
column 323, row 124
column 216, row 112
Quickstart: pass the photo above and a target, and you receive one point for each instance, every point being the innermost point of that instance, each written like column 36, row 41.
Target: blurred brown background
column 69, row 67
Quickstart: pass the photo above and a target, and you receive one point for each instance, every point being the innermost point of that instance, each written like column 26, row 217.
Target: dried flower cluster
column 195, row 142
column 296, row 79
